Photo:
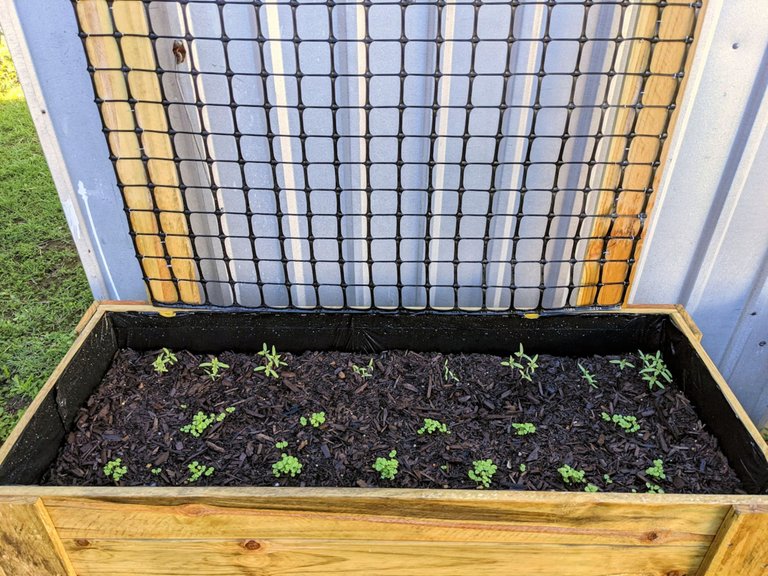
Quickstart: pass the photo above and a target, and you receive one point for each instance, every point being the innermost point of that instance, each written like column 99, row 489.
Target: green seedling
column 448, row 375
column 115, row 470
column 444, row 467
column 657, row 470
column 524, row 428
column 622, row 363
column 523, row 467
column 524, row 364
column 316, row 419
column 364, row 371
column 201, row 421
column 431, row 426
column 387, row 467
column 588, row 376
column 214, row 367
column 155, row 471
column 282, row 444
column 197, row 471
column 273, row 361
column 165, row 359
column 571, row 475
column 286, row 466
column 482, row 472
column 626, row 423
column 607, row 479
column 654, row 488
column 654, row 369
column 591, row 488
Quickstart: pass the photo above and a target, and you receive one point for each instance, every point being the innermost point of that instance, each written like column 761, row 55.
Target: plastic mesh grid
column 389, row 155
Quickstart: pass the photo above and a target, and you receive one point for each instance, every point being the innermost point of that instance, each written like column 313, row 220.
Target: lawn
column 43, row 289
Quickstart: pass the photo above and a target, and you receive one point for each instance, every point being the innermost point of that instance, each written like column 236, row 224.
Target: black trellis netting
column 390, row 155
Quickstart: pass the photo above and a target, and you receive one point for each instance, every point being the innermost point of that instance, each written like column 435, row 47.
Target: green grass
column 43, row 289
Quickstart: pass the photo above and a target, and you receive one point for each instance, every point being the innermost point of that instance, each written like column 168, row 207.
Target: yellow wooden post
column 167, row 261
column 741, row 545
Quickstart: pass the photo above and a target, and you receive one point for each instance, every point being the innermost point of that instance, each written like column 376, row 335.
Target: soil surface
column 136, row 415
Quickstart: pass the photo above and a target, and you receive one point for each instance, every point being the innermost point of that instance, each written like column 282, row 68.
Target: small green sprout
column 524, row 428
column 448, row 374
column 657, row 470
column 115, row 470
column 201, row 421
column 482, row 472
column 654, row 369
column 444, row 467
column 607, row 479
column 653, row 488
column 586, row 375
column 622, row 363
column 525, row 370
column 591, row 488
column 282, row 444
column 164, row 359
column 273, row 361
column 183, row 406
column 571, row 475
column 627, row 423
column 197, row 471
column 431, row 426
column 523, row 467
column 387, row 467
column 214, row 367
column 155, row 471
column 316, row 419
column 364, row 371
column 286, row 466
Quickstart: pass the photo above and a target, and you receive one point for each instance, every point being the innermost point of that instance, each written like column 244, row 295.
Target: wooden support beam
column 151, row 184
column 611, row 246
column 740, row 546
column 29, row 544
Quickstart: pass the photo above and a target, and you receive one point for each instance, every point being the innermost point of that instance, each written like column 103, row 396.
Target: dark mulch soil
column 136, row 415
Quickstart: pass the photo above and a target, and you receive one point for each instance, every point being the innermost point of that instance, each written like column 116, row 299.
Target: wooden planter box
column 226, row 531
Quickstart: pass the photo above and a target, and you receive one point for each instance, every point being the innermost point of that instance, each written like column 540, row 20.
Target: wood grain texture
column 741, row 544
column 162, row 240
column 29, row 545
column 325, row 556
column 612, row 243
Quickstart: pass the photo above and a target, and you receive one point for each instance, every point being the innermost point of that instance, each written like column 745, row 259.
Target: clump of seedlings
column 165, row 359
column 287, row 465
column 524, row 428
column 431, row 426
column 448, row 374
column 316, row 419
column 524, row 364
column 364, row 371
column 654, row 488
column 588, row 376
column 272, row 361
column 622, row 363
column 657, row 470
column 213, row 367
column 626, row 423
column 197, row 471
column 654, row 369
column 482, row 472
column 387, row 467
column 571, row 475
column 115, row 470
column 201, row 421
column 591, row 488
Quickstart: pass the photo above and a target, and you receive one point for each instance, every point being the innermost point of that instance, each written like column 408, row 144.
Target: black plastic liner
column 213, row 332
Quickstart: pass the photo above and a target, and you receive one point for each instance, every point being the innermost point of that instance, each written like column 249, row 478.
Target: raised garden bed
column 338, row 514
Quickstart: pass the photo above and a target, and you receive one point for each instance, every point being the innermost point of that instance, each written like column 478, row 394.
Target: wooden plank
column 406, row 518
column 29, row 546
column 741, row 544
column 104, row 53
column 327, row 556
column 613, row 239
